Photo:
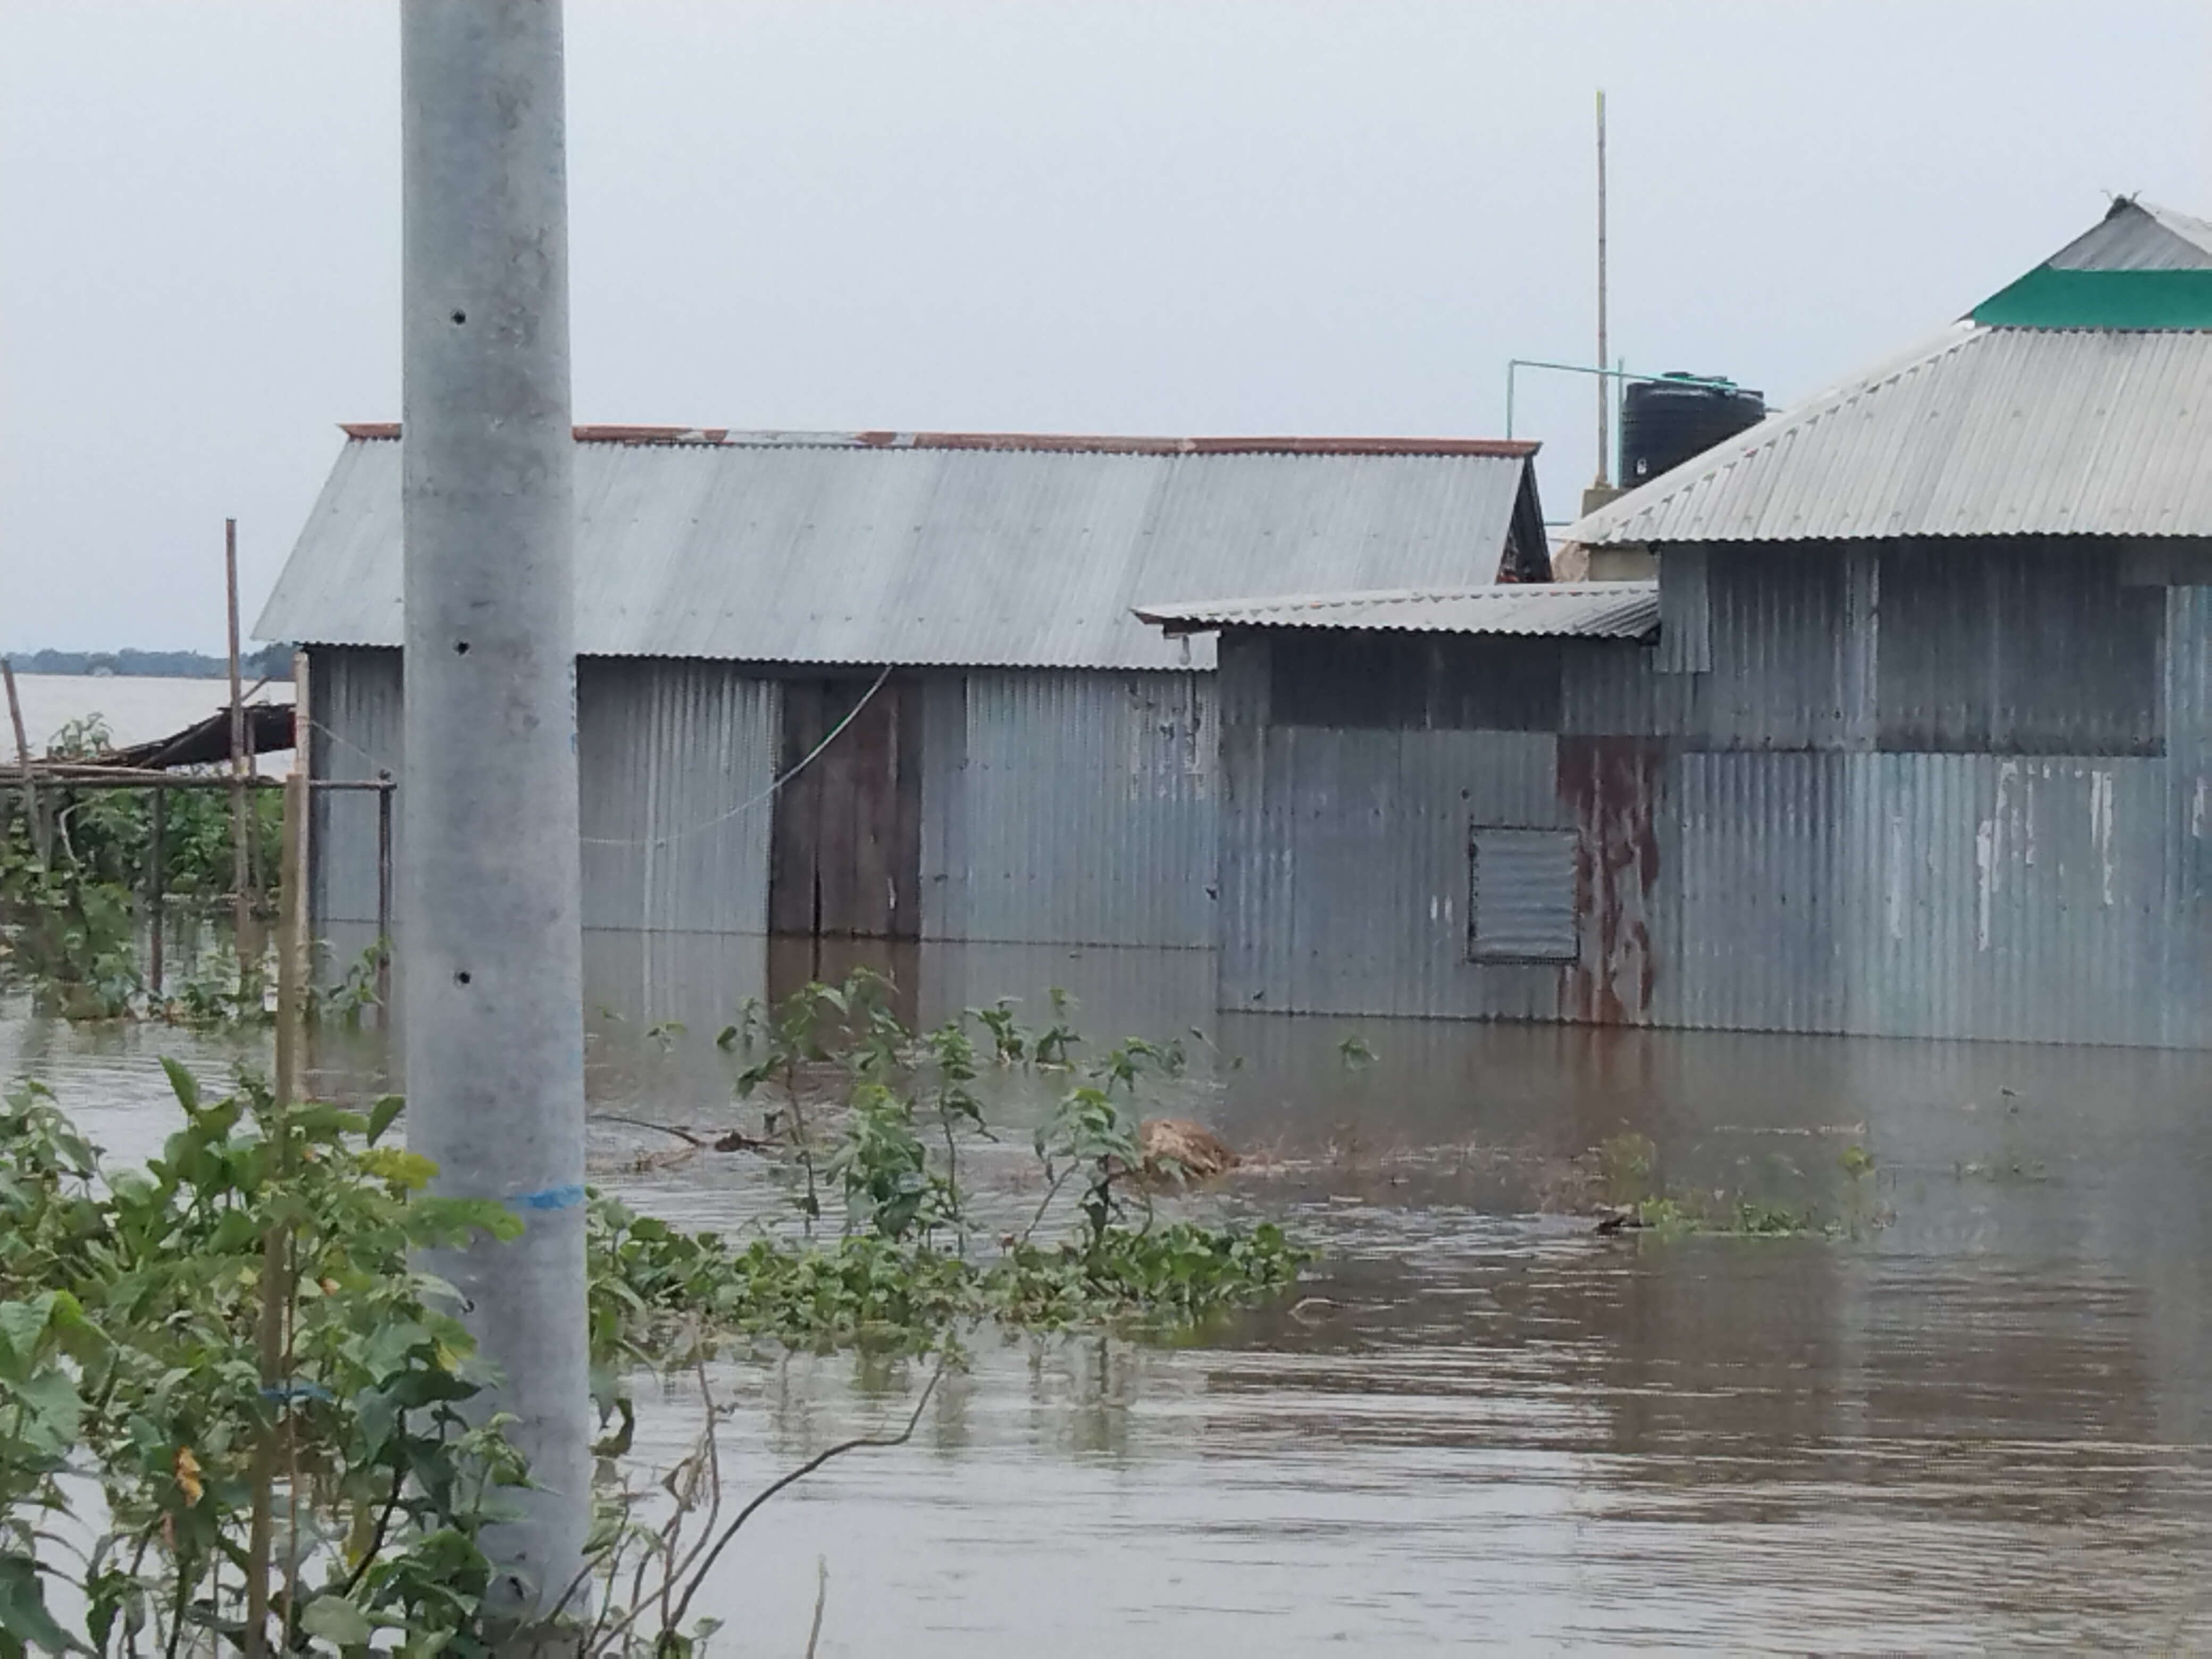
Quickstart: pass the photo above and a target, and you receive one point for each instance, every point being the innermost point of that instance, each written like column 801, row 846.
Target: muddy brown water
column 1980, row 1419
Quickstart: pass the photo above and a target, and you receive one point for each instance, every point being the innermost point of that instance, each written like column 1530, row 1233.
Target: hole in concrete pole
column 461, row 317
column 461, row 978
column 460, row 647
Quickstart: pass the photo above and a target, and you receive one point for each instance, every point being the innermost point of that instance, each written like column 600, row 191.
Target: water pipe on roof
column 1514, row 364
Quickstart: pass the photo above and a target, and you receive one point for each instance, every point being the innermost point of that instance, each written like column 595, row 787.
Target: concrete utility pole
column 488, row 922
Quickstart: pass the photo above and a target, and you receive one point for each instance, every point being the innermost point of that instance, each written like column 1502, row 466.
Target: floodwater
column 1977, row 1418
column 134, row 708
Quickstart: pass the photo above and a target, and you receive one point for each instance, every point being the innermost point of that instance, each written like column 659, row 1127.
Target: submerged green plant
column 656, row 1287
column 354, row 993
column 852, row 1100
column 107, row 835
column 137, row 1306
column 1636, row 1198
column 232, row 1342
column 71, row 920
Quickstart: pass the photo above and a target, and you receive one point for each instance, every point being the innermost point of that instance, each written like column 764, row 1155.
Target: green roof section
column 2139, row 301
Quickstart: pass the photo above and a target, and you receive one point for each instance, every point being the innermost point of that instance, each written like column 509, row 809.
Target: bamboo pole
column 261, row 1527
column 292, row 936
column 156, row 876
column 241, row 878
column 276, row 1244
column 41, row 843
column 297, row 938
column 131, row 777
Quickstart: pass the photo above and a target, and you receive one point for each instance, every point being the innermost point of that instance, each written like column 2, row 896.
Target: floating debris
column 1175, row 1148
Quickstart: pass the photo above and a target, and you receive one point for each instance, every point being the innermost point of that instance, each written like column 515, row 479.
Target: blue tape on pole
column 553, row 1198
column 297, row 1391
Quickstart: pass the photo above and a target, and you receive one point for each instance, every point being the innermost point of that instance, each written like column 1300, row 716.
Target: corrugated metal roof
column 958, row 549
column 2134, row 235
column 1596, row 610
column 1059, row 443
column 1983, row 432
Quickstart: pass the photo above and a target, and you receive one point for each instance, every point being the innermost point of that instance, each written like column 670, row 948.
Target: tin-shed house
column 885, row 685
column 1912, row 734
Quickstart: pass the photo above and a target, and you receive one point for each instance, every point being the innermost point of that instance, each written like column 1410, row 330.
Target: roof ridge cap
column 722, row 437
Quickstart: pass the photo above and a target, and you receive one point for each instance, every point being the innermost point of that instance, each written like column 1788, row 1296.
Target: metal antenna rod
column 489, row 923
column 1604, row 386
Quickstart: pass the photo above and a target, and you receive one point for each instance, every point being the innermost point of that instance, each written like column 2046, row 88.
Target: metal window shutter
column 1521, row 896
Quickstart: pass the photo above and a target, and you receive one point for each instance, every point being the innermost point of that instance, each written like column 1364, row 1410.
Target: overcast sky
column 1193, row 216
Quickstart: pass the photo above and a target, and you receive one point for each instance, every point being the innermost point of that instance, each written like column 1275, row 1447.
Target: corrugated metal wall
column 1344, row 881
column 1798, row 877
column 2013, row 897
column 1783, row 648
column 357, row 733
column 2034, row 648
column 1074, row 807
column 674, row 760
column 667, row 754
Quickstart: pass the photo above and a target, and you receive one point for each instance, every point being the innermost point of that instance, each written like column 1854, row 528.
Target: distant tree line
column 271, row 663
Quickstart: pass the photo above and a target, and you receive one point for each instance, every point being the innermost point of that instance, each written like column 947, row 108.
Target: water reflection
column 1982, row 1422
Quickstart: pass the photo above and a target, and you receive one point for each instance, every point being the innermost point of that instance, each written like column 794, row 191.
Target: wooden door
column 845, row 855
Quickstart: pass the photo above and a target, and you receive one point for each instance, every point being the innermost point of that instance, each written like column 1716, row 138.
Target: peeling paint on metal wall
column 2189, row 808
column 1938, row 896
column 2188, row 762
column 2011, row 898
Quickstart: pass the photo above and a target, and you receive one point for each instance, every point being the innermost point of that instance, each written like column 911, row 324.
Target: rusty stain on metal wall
column 1611, row 789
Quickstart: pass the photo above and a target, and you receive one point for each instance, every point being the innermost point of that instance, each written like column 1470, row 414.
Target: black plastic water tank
column 1665, row 423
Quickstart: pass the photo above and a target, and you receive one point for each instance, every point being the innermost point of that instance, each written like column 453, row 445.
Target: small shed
column 1912, row 736
column 881, row 684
